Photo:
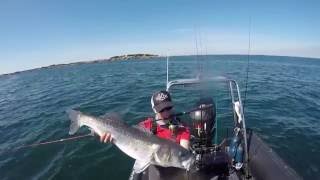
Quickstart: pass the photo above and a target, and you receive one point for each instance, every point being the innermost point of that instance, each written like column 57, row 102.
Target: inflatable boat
column 240, row 154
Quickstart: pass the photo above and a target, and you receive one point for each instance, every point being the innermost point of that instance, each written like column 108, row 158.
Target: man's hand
column 105, row 138
column 185, row 143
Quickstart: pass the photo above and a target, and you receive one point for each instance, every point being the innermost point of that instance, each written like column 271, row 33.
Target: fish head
column 186, row 158
column 174, row 156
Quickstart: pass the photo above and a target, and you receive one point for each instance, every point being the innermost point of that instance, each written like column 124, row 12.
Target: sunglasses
column 165, row 109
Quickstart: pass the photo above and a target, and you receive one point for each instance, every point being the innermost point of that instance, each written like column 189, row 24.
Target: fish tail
column 74, row 118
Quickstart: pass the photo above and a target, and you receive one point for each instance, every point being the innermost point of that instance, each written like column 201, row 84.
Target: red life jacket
column 166, row 133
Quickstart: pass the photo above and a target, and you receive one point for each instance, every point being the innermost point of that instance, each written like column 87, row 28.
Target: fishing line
column 187, row 112
column 47, row 142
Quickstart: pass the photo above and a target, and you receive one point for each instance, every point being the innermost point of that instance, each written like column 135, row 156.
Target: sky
column 35, row 33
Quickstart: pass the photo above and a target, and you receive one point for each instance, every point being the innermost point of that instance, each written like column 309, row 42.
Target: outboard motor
column 209, row 158
column 203, row 120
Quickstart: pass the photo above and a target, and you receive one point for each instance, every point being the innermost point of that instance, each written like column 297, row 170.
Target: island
column 133, row 56
column 114, row 58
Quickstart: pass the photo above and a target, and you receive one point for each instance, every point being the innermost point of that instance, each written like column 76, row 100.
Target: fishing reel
column 174, row 124
column 235, row 150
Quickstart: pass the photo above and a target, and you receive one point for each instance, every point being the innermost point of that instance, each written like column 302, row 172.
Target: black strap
column 176, row 120
column 154, row 127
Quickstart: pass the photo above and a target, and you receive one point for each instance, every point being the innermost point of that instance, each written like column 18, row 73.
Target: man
column 164, row 125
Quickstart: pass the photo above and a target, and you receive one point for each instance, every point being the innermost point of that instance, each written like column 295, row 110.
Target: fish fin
column 74, row 118
column 140, row 166
column 155, row 148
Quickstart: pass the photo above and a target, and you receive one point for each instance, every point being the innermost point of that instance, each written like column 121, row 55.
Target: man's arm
column 185, row 138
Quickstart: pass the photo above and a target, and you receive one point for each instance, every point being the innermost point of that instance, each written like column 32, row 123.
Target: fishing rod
column 187, row 112
column 91, row 133
column 192, row 110
column 48, row 142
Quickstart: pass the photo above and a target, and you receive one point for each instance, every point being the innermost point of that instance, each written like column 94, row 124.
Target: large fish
column 144, row 147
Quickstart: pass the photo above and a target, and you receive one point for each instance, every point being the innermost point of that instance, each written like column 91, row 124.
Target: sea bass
column 144, row 147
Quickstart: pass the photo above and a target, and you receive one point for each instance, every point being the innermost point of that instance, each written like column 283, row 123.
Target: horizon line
column 177, row 55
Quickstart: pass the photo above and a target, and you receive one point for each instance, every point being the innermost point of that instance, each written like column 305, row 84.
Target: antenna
column 196, row 42
column 248, row 59
column 201, row 54
column 167, row 70
column 245, row 100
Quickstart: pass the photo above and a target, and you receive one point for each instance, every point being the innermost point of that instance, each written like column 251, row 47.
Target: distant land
column 114, row 58
column 133, row 56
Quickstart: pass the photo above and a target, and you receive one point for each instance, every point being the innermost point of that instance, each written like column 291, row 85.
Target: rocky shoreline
column 133, row 56
column 114, row 58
